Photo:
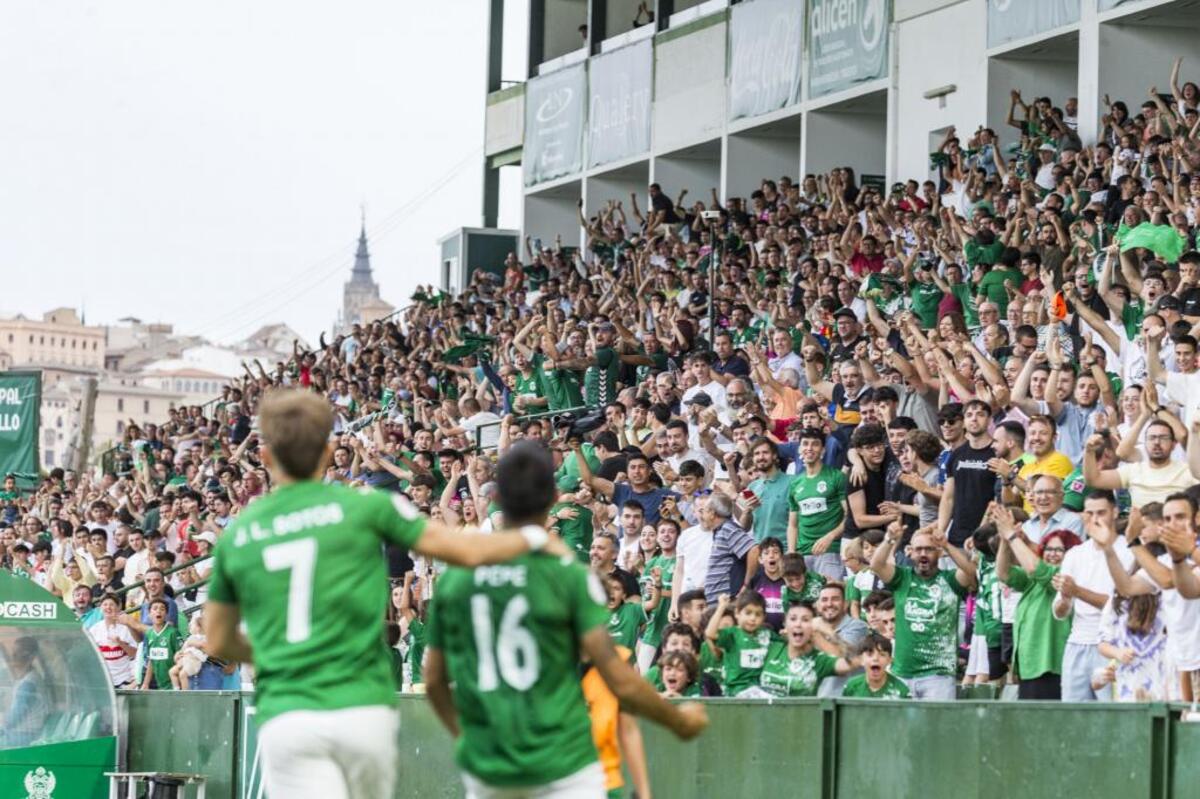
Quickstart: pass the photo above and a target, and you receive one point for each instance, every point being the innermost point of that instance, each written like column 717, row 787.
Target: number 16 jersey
column 510, row 637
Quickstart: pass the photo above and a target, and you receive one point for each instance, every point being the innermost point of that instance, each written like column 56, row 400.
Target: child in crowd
column 769, row 580
column 162, row 641
column 862, row 582
column 1134, row 638
column 191, row 656
column 742, row 649
column 801, row 585
column 680, row 672
column 625, row 619
column 876, row 682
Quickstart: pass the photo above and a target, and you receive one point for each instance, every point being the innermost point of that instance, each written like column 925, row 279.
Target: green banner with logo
column 71, row 770
column 847, row 43
column 20, row 406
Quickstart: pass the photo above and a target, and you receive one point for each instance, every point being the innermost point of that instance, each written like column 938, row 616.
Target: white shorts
column 587, row 783
column 330, row 754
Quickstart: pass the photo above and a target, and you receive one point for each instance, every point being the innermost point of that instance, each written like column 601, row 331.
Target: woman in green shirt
column 1039, row 637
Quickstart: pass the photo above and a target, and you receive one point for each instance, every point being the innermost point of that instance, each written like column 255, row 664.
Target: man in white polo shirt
column 1084, row 586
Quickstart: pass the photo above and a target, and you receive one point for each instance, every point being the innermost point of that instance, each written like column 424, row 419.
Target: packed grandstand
column 942, row 436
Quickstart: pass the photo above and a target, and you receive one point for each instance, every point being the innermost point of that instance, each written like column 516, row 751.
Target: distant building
column 120, row 400
column 60, row 423
column 361, row 303
column 59, row 338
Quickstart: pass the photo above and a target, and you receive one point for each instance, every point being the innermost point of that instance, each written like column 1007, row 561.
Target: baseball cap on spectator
column 207, row 535
column 846, row 312
column 700, row 398
column 1169, row 302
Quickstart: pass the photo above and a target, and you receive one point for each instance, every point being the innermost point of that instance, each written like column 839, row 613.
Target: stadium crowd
column 841, row 440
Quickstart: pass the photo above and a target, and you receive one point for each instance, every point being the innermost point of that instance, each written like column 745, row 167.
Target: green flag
column 1163, row 240
column 20, row 406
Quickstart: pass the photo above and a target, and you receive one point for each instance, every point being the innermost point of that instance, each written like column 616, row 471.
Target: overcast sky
column 203, row 163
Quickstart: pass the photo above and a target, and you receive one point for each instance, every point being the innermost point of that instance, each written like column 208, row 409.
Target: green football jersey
column 742, row 657
column 817, row 503
column 159, row 650
column 926, row 622
column 784, row 675
column 577, row 532
column 652, row 635
column 560, row 387
column 304, row 564
column 416, row 650
column 600, row 381
column 510, row 638
column 811, row 592
column 892, row 688
column 625, row 622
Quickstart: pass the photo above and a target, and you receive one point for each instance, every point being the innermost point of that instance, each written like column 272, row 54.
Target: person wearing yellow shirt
column 75, row 572
column 615, row 734
column 1039, row 438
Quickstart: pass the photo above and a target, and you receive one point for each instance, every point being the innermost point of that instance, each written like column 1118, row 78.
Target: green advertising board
column 20, row 407
column 847, row 44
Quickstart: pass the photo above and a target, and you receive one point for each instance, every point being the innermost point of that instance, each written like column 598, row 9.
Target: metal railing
column 524, row 418
column 125, row 589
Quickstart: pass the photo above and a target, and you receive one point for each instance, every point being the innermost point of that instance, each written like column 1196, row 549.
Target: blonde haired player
column 303, row 566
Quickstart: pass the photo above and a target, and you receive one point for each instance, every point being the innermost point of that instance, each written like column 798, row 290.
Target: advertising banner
column 554, row 111
column 20, row 407
column 1011, row 20
column 766, row 44
column 619, row 87
column 847, row 43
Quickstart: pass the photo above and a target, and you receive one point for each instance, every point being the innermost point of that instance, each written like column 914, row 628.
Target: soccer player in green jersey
column 303, row 566
column 510, row 639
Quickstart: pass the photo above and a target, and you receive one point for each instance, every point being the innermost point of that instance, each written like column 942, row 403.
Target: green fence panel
column 994, row 750
column 1184, row 757
column 749, row 750
column 184, row 731
column 814, row 749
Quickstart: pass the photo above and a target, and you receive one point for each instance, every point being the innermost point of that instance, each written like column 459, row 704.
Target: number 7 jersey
column 305, row 567
column 510, row 637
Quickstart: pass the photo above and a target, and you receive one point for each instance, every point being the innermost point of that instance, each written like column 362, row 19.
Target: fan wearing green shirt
column 1039, row 637
column 927, row 604
column 741, row 649
column 795, row 666
column 600, row 379
column 816, row 502
column 510, row 638
column 303, row 567
column 876, row 682
column 159, row 646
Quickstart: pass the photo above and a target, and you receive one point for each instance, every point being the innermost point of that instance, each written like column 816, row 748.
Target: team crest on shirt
column 822, row 486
